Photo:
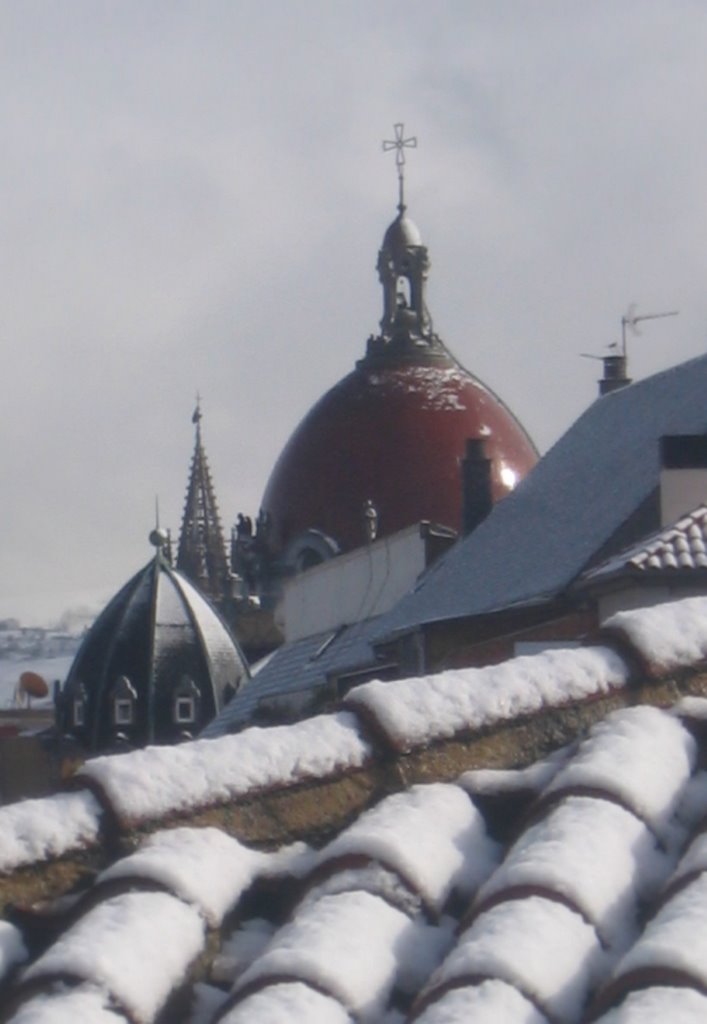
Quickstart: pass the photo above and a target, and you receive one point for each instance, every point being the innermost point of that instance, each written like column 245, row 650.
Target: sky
column 192, row 198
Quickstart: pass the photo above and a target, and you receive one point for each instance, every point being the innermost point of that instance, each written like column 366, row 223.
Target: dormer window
column 186, row 701
column 78, row 706
column 124, row 699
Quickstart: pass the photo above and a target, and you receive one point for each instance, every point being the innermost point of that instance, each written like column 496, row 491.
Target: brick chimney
column 614, row 374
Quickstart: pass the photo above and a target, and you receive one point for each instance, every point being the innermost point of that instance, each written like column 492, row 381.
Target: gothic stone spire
column 202, row 552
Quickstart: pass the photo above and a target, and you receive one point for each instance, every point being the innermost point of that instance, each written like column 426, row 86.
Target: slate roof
column 520, row 843
column 297, row 672
column 538, row 539
column 158, row 633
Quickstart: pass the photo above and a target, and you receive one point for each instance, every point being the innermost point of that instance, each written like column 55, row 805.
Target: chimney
column 614, row 374
column 683, row 475
column 477, row 499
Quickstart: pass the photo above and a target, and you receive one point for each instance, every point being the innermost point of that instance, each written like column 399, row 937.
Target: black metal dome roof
column 158, row 663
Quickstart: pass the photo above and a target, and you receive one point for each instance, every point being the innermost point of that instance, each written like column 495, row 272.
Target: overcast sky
column 192, row 197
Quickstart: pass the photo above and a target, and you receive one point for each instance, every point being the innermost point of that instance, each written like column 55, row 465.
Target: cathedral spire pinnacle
column 202, row 551
column 400, row 144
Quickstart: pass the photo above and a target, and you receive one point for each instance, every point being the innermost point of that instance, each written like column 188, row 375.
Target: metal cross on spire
column 400, row 144
column 197, row 414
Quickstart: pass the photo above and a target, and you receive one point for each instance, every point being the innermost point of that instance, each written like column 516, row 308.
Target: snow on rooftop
column 676, row 937
column 593, row 852
column 641, row 755
column 667, row 635
column 695, row 858
column 206, row 1002
column 693, row 802
column 289, row 1003
column 690, row 707
column 373, row 878
column 35, row 830
column 491, row 1002
column 136, row 946
column 146, row 784
column 539, row 946
column 82, row 1005
column 414, row 712
column 240, row 949
column 345, row 945
column 534, row 778
column 203, row 866
column 431, row 835
column 12, row 948
column 658, row 1005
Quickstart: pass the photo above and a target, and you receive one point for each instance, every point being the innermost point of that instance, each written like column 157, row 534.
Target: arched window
column 185, row 702
column 124, row 699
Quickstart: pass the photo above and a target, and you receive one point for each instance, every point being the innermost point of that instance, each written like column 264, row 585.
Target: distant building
column 612, row 518
column 409, row 436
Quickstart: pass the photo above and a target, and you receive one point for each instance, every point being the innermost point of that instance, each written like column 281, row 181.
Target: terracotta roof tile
column 418, row 907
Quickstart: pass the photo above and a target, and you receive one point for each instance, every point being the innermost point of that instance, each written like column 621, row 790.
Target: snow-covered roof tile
column 415, row 712
column 136, row 947
column 490, row 1002
column 12, row 948
column 667, row 636
column 592, row 852
column 532, row 779
column 694, row 861
column 343, row 945
column 540, row 947
column 380, row 919
column 158, row 781
column 641, row 756
column 431, row 835
column 658, row 1005
column 35, row 830
column 681, row 545
column 675, row 940
column 83, row 1005
column 288, row 1003
column 202, row 866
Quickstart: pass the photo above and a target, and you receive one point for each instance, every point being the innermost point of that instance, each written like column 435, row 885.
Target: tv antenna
column 631, row 319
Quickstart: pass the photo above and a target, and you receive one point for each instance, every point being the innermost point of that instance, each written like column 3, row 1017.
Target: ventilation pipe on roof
column 683, row 475
column 477, row 499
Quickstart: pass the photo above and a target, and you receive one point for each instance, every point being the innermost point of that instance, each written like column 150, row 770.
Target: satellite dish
column 33, row 685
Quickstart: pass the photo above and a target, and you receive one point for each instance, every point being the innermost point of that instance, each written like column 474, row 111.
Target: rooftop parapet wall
column 269, row 786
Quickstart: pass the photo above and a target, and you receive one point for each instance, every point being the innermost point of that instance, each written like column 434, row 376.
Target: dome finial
column 400, row 144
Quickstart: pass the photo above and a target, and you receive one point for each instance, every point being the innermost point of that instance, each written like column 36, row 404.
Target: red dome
column 395, row 434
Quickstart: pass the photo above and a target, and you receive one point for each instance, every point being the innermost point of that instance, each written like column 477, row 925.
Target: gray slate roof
column 298, row 668
column 155, row 631
column 539, row 538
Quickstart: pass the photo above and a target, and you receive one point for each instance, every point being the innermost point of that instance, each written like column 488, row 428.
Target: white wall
column 352, row 587
column 681, row 491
